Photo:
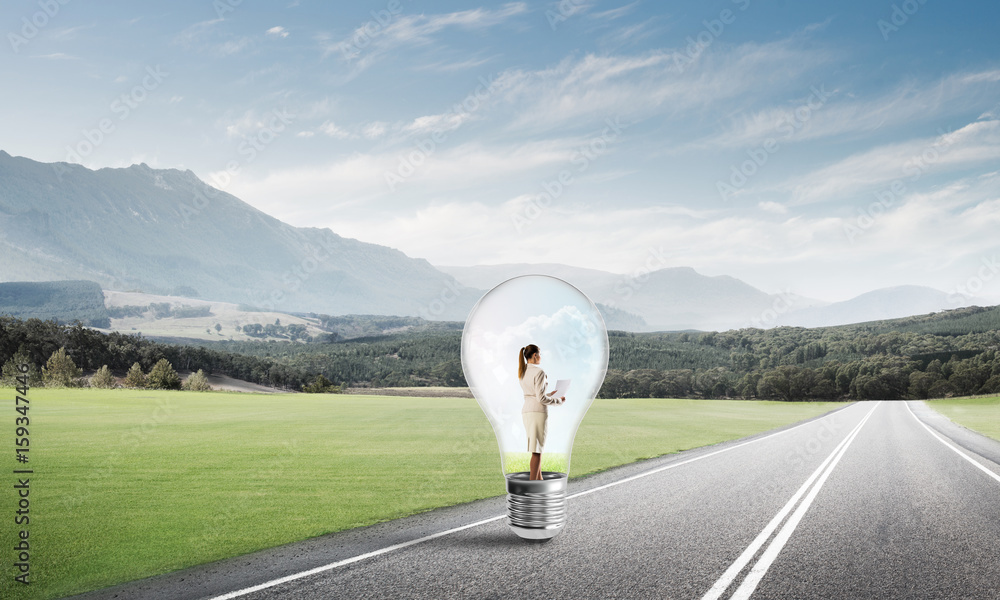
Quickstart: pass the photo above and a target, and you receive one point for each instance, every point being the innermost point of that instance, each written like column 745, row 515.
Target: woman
column 535, row 412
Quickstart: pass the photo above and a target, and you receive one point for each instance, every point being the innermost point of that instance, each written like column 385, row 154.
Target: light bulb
column 573, row 344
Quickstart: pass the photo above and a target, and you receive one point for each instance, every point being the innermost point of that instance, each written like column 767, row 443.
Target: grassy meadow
column 131, row 483
column 980, row 414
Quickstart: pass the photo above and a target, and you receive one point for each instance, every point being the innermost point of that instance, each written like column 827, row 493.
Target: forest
column 35, row 341
column 938, row 355
column 943, row 354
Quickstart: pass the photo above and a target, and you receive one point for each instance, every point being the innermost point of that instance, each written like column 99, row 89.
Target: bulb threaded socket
column 536, row 510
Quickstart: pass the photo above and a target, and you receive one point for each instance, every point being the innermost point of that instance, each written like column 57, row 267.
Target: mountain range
column 679, row 298
column 164, row 231
column 167, row 232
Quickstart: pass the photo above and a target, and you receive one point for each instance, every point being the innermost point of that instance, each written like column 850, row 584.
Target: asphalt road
column 876, row 500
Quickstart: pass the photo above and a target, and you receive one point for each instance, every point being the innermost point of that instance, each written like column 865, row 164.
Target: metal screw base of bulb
column 536, row 510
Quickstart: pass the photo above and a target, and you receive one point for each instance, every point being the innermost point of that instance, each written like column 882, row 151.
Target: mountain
column 675, row 298
column 167, row 232
column 680, row 298
column 877, row 305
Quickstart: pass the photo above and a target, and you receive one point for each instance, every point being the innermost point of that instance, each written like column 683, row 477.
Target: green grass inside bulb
column 516, row 462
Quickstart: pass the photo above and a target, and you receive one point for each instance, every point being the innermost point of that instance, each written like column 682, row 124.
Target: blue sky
column 824, row 149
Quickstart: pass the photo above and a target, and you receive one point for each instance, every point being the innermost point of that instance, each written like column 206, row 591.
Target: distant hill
column 676, row 299
column 167, row 232
column 887, row 303
column 64, row 301
column 961, row 321
column 174, row 319
column 670, row 299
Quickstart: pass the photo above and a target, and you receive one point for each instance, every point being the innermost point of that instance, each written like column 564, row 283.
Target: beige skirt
column 537, row 425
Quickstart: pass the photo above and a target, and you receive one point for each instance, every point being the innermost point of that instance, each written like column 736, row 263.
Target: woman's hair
column 523, row 355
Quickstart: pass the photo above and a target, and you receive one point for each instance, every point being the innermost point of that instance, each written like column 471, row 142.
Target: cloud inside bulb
column 573, row 346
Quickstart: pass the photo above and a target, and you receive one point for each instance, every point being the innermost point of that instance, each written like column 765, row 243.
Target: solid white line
column 354, row 559
column 387, row 549
column 759, row 569
column 734, row 569
column 960, row 453
column 684, row 462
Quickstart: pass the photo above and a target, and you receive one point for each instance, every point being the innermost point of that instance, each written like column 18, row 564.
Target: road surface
column 875, row 500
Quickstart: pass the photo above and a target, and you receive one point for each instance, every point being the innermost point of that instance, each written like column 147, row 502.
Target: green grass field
column 131, row 483
column 980, row 414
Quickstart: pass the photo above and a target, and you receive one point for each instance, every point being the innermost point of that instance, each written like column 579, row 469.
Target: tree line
column 35, row 341
column 952, row 353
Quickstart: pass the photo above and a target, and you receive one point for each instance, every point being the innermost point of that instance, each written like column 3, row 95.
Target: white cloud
column 277, row 32
column 318, row 109
column 616, row 13
column 812, row 254
column 844, row 113
column 458, row 65
column 205, row 36
column 982, row 77
column 773, row 207
column 305, row 134
column 660, row 82
column 234, row 46
column 370, row 41
column 356, row 183
column 437, row 123
column 249, row 123
column 57, row 56
column 375, row 129
column 876, row 169
column 331, row 129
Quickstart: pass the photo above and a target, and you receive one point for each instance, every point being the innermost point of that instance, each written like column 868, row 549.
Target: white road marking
column 400, row 546
column 758, row 571
column 347, row 561
column 744, row 559
column 678, row 464
column 960, row 453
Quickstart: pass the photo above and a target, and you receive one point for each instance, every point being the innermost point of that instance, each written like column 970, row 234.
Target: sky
column 822, row 149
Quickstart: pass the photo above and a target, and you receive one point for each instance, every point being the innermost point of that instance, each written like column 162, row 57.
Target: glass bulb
column 573, row 344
